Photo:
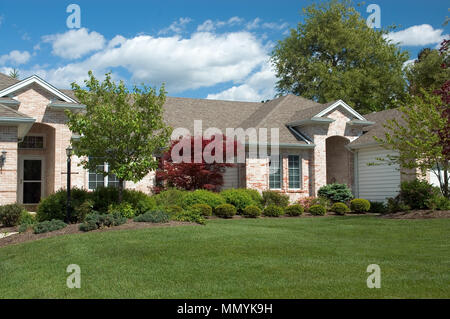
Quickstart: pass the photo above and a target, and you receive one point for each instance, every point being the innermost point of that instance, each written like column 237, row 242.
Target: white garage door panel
column 376, row 182
column 231, row 178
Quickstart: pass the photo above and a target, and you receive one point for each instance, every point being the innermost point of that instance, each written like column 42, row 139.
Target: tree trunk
column 120, row 190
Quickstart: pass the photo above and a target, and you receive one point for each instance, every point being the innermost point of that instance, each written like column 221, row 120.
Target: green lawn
column 262, row 258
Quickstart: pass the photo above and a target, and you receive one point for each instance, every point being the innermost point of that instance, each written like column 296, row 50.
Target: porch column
column 8, row 173
column 319, row 166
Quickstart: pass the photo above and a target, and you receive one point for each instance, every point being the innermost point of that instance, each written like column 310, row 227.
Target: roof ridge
column 281, row 100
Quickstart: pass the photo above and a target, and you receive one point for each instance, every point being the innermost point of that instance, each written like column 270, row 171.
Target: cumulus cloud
column 176, row 27
column 15, row 57
column 418, row 35
column 75, row 43
column 210, row 25
column 257, row 87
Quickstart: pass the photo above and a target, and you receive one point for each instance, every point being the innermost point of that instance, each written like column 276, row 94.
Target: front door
column 31, row 180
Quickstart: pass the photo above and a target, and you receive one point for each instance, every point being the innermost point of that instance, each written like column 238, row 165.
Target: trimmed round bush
column 273, row 211
column 10, row 214
column 191, row 215
column 251, row 211
column 294, row 210
column 340, row 208
column 254, row 194
column 317, row 210
column 54, row 205
column 172, row 209
column 225, row 211
column 205, row 210
column 238, row 198
column 337, row 193
column 202, row 196
column 360, row 205
column 275, row 198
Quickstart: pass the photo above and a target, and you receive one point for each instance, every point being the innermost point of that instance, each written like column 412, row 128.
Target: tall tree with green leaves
column 415, row 137
column 427, row 72
column 124, row 129
column 334, row 55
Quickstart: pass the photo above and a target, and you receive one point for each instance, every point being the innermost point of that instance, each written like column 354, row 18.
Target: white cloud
column 254, row 24
column 74, row 44
column 176, row 27
column 407, row 63
column 210, row 25
column 258, row 87
column 15, row 57
column 418, row 35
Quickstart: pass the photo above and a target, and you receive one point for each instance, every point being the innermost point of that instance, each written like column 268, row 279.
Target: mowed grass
column 263, row 258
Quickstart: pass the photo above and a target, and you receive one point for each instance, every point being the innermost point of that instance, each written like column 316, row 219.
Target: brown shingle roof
column 6, row 81
column 8, row 112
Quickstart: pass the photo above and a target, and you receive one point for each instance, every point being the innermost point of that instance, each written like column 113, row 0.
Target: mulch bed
column 73, row 229
column 419, row 214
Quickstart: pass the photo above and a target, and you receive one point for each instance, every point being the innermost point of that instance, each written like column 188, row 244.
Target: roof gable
column 36, row 79
column 334, row 105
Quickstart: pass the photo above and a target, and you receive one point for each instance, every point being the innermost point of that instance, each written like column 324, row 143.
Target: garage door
column 231, row 178
column 376, row 182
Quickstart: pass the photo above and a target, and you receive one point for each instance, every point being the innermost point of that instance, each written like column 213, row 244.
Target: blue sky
column 205, row 49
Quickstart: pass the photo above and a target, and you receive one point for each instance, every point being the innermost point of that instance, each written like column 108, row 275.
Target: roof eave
column 313, row 120
column 360, row 123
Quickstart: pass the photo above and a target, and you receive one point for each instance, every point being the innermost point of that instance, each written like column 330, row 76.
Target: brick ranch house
column 319, row 144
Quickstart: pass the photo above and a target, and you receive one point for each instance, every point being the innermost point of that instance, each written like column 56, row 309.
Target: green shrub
column 80, row 212
column 251, row 211
column 340, row 208
column 124, row 209
column 26, row 218
column 317, row 210
column 154, row 216
column 54, row 206
column 238, row 198
column 10, row 214
column 204, row 209
column 191, row 215
column 378, row 208
column 225, row 211
column 103, row 197
column 24, row 227
column 294, row 210
column 202, row 196
column 337, row 193
column 48, row 226
column 169, row 197
column 97, row 221
column 395, row 205
column 273, row 211
column 254, row 194
column 416, row 193
column 140, row 201
column 172, row 209
column 438, row 202
column 360, row 205
column 275, row 198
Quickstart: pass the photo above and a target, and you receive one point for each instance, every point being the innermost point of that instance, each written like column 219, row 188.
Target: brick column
column 8, row 174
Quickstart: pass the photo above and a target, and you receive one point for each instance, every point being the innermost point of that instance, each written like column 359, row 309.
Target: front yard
column 241, row 258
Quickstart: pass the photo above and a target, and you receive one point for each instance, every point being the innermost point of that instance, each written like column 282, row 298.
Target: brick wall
column 8, row 174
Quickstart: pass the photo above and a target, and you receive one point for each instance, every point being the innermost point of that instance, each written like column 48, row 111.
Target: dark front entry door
column 32, row 181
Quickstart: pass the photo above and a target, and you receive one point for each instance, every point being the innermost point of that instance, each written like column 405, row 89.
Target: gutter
column 64, row 106
column 285, row 145
column 11, row 101
column 358, row 146
column 359, row 122
column 23, row 124
column 313, row 120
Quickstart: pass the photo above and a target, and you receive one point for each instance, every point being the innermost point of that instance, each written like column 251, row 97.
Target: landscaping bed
column 419, row 214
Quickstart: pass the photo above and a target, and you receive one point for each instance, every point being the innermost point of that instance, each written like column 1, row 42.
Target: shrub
column 124, row 209
column 80, row 212
column 438, row 202
column 255, row 195
column 24, row 227
column 191, row 215
column 103, row 197
column 317, row 210
column 225, row 211
column 307, row 202
column 275, row 198
column 378, row 208
column 48, row 226
column 154, row 216
column 340, row 208
column 26, row 218
column 202, row 196
column 140, row 201
column 251, row 211
column 96, row 221
column 294, row 210
column 168, row 197
column 359, row 205
column 238, row 198
column 395, row 205
column 171, row 209
column 10, row 214
column 273, row 211
column 416, row 193
column 205, row 210
column 55, row 205
column 337, row 193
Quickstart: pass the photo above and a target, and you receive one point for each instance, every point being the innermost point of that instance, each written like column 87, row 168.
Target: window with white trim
column 294, row 168
column 275, row 172
column 97, row 179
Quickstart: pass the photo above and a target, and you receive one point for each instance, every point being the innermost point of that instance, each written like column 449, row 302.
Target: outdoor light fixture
column 2, row 160
column 69, row 162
